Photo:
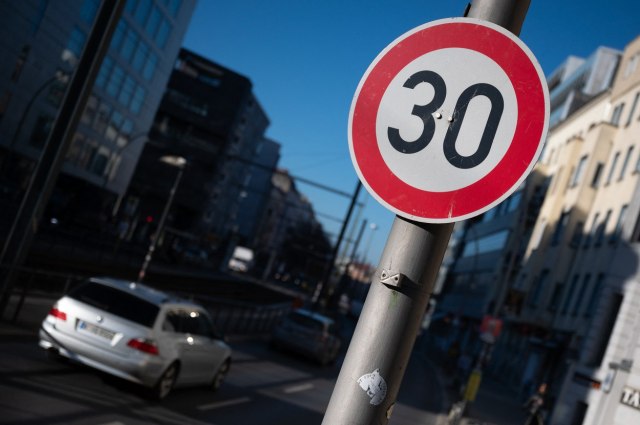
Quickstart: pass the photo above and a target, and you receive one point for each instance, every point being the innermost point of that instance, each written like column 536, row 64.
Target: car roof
column 143, row 291
column 312, row 314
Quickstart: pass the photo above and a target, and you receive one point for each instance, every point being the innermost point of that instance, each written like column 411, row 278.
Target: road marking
column 298, row 388
column 225, row 403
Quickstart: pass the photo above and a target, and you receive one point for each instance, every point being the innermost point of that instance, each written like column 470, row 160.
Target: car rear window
column 306, row 321
column 116, row 302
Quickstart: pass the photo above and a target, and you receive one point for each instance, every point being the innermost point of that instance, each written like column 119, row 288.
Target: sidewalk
column 495, row 404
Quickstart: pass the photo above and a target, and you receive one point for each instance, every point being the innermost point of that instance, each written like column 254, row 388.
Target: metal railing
column 231, row 317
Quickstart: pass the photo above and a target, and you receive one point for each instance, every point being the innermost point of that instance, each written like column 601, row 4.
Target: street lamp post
column 180, row 163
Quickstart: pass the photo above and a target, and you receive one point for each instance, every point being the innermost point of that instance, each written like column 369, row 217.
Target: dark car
column 310, row 334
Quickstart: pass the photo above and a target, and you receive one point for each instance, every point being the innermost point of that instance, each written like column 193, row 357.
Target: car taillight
column 58, row 314
column 144, row 345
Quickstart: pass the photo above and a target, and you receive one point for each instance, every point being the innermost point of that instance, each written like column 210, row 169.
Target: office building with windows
column 42, row 41
column 209, row 116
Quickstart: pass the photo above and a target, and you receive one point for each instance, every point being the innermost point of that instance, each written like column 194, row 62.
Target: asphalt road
column 263, row 387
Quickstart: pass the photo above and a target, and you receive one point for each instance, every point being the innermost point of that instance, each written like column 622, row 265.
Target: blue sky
column 306, row 58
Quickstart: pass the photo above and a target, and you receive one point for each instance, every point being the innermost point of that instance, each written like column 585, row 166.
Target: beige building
column 602, row 385
column 579, row 278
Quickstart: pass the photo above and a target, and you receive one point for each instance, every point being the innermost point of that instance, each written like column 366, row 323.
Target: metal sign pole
column 367, row 386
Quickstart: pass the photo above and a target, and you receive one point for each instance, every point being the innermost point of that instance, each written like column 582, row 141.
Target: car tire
column 220, row 375
column 166, row 382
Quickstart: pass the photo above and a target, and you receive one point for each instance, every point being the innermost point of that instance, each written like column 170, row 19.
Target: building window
column 617, row 113
column 76, row 41
column 618, row 230
column 115, row 81
column 118, row 35
column 633, row 109
column 538, row 287
column 583, row 288
column 554, row 302
column 138, row 100
column 129, row 45
column 142, row 12
column 105, row 72
column 90, row 109
column 577, row 234
column 102, row 118
column 140, row 57
column 592, row 231
column 596, row 291
column 513, row 201
column 625, row 163
column 561, row 225
column 489, row 243
column 154, row 22
column 578, row 172
column 597, row 174
column 163, row 33
column 89, row 10
column 631, row 65
column 99, row 161
column 126, row 92
column 20, row 61
column 41, row 131
column 150, row 66
column 569, row 295
column 602, row 227
column 76, row 147
column 174, row 7
column 613, row 167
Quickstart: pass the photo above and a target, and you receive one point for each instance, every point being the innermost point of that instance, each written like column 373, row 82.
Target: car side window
column 197, row 323
column 172, row 322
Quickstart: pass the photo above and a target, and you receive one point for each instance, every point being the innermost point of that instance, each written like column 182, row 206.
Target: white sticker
column 375, row 386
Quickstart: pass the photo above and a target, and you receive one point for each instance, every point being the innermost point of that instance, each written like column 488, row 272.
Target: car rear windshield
column 306, row 321
column 116, row 302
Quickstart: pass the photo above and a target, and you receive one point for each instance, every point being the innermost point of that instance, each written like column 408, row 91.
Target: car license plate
column 96, row 330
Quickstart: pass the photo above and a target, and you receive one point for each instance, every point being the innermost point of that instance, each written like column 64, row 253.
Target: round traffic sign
column 448, row 120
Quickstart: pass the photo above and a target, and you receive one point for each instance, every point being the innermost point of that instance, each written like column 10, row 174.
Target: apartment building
column 602, row 384
column 481, row 279
column 575, row 329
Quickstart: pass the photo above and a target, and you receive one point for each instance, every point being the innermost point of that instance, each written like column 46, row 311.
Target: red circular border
column 530, row 126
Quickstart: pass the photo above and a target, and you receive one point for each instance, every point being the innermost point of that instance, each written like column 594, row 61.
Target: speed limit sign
column 448, row 120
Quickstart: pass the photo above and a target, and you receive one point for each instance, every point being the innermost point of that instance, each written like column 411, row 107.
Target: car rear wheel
column 165, row 384
column 218, row 379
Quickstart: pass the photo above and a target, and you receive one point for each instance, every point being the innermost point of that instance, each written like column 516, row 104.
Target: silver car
column 308, row 333
column 137, row 333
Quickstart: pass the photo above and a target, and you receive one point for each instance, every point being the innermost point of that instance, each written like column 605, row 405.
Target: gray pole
column 370, row 377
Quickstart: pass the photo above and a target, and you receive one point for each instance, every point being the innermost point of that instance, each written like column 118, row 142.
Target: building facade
column 43, row 41
column 210, row 117
column 576, row 328
column 602, row 314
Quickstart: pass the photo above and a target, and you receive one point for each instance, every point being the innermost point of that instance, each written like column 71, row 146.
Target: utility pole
column 25, row 226
column 324, row 286
column 368, row 383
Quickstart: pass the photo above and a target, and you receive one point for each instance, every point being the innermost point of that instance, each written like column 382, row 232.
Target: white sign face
column 448, row 120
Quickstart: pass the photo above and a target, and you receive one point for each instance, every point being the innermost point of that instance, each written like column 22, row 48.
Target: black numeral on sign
column 424, row 112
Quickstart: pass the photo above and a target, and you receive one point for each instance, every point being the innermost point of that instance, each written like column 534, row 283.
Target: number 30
column 425, row 113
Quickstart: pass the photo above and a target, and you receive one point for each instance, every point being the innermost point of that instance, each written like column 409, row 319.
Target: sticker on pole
column 448, row 120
